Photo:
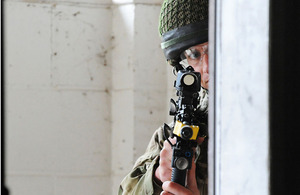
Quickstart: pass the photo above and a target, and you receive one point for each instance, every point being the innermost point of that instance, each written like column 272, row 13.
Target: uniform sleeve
column 140, row 179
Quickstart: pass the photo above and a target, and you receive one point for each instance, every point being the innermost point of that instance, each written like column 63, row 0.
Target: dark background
column 284, row 97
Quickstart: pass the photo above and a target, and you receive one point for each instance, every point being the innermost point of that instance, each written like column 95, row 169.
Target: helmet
column 182, row 24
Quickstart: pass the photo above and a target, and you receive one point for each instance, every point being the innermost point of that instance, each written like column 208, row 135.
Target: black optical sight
column 187, row 80
column 188, row 85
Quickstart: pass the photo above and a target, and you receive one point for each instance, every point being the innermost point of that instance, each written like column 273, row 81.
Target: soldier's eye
column 193, row 53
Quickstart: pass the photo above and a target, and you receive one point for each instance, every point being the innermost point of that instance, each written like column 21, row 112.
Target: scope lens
column 182, row 163
column 188, row 79
column 186, row 132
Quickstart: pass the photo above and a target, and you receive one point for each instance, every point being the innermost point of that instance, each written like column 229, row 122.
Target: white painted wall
column 139, row 84
column 239, row 116
column 86, row 86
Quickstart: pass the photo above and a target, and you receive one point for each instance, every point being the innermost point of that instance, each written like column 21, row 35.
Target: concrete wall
column 86, row 85
column 139, row 84
column 239, row 122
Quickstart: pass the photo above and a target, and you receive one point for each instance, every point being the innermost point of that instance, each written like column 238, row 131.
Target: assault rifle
column 186, row 122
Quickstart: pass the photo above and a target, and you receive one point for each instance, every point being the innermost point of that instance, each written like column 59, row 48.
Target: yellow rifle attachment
column 186, row 131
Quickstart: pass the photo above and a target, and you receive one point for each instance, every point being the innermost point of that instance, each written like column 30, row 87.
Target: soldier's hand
column 164, row 170
column 171, row 188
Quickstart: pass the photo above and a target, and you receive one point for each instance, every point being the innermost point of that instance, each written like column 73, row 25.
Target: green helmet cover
column 182, row 24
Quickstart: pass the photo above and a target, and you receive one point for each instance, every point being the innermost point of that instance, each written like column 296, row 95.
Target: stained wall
column 86, row 85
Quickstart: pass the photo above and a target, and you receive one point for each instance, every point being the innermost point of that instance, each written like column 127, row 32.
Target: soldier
column 183, row 27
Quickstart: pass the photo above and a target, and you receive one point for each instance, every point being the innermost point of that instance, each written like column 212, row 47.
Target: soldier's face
column 197, row 57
